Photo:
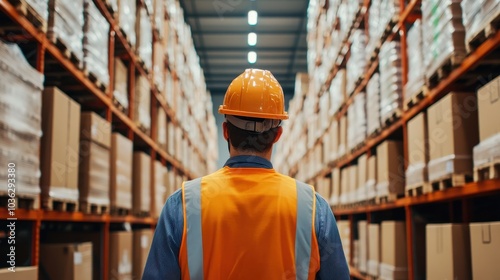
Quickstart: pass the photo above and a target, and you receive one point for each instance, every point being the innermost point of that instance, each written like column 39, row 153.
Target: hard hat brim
column 224, row 111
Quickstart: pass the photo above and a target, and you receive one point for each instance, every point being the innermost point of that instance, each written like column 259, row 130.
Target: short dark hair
column 244, row 140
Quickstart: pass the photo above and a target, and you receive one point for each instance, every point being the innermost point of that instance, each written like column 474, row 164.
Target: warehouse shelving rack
column 459, row 203
column 50, row 60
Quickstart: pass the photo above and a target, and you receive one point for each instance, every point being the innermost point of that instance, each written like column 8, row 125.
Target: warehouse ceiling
column 220, row 29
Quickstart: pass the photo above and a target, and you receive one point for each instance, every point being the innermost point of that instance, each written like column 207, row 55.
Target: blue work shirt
column 163, row 259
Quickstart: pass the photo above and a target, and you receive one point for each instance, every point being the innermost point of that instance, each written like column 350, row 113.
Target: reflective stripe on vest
column 305, row 204
column 305, row 201
column 193, row 216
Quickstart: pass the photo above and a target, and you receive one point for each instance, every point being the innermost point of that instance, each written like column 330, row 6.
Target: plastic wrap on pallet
column 120, row 92
column 373, row 104
column 443, row 33
column 20, row 117
column 391, row 87
column 375, row 27
column 415, row 173
column 357, row 61
column 41, row 7
column 95, row 42
column 142, row 114
column 442, row 167
column 487, row 151
column 478, row 13
column 144, row 31
column 415, row 61
column 66, row 24
column 380, row 14
column 126, row 19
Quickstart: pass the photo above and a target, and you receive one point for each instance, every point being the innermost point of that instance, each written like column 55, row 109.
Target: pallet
column 391, row 197
column 417, row 97
column 141, row 214
column 65, row 50
column 30, row 14
column 374, row 133
column 488, row 29
column 395, row 115
column 143, row 128
column 118, row 211
column 94, row 79
column 487, row 171
column 119, row 106
column 22, row 201
column 450, row 63
column 446, row 182
column 62, row 205
column 92, row 208
column 416, row 189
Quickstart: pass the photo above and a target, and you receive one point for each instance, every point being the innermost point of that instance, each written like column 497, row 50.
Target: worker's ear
column 278, row 134
column 224, row 130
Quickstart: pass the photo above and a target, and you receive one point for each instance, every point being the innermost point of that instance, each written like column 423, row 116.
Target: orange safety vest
column 248, row 223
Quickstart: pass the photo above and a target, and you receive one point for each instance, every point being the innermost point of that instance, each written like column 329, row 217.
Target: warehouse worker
column 246, row 221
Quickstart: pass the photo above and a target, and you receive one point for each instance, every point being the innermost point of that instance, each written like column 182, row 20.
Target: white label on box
column 77, row 258
column 449, row 166
column 144, row 242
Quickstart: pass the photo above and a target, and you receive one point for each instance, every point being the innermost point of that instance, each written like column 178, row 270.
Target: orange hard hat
column 256, row 94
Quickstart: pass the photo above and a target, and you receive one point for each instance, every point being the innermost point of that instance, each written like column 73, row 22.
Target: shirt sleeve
column 163, row 258
column 333, row 264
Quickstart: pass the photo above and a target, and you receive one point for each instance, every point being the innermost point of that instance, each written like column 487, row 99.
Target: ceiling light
column 252, row 57
column 252, row 17
column 252, row 39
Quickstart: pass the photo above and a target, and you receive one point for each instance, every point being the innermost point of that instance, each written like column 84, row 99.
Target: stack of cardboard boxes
column 120, row 166
column 141, row 184
column 390, row 170
column 487, row 152
column 72, row 261
column 453, row 132
column 121, row 255
column 60, row 147
column 142, row 244
column 94, row 169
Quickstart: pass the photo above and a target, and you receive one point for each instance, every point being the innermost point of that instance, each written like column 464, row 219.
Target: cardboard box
column 120, row 255
column 345, row 237
column 448, row 251
column 453, row 133
column 171, row 138
column 373, row 249
column 59, row 145
column 335, row 196
column 344, row 185
column 94, row 174
column 390, row 168
column 72, row 261
column 142, row 244
column 485, row 245
column 334, row 140
column 96, row 129
column 362, row 175
column 418, row 150
column 120, row 92
column 162, row 129
column 488, row 103
column 120, row 192
column 371, row 180
column 160, row 189
column 363, row 246
column 21, row 273
column 141, row 178
column 394, row 263
column 342, row 147
column 353, row 183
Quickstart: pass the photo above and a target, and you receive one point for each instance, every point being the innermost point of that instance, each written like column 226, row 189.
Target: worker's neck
column 267, row 155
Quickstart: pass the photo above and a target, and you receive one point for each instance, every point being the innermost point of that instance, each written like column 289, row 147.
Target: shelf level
column 468, row 190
